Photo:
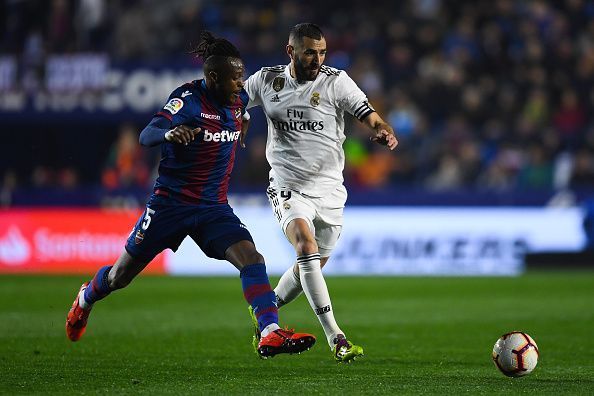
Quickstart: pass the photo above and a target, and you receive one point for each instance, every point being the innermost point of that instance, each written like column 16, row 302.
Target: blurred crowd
column 486, row 94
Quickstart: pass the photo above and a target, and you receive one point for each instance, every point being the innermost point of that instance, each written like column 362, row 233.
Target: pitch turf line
column 192, row 336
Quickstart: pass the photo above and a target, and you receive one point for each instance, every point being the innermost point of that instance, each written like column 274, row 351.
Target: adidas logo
column 275, row 99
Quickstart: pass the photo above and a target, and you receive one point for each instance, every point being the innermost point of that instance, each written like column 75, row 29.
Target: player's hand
column 385, row 136
column 245, row 124
column 182, row 134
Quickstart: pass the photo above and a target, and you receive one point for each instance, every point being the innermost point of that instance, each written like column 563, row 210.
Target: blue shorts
column 165, row 223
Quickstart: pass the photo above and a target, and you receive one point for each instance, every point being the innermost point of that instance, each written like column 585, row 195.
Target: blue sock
column 257, row 292
column 99, row 287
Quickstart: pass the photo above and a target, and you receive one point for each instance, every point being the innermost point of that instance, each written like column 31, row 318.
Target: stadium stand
column 492, row 100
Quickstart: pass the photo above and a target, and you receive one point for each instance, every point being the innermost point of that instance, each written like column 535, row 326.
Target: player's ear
column 290, row 51
column 213, row 75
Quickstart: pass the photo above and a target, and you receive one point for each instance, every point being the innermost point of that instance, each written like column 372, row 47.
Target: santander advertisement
column 64, row 241
column 374, row 241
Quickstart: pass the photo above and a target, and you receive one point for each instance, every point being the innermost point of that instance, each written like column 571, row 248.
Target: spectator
column 570, row 118
column 126, row 165
column 483, row 94
column 537, row 172
column 9, row 184
column 582, row 175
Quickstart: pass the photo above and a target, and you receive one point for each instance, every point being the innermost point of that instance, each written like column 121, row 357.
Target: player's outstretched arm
column 158, row 131
column 154, row 133
column 384, row 133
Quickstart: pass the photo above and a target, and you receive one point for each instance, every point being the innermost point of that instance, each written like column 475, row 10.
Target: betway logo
column 223, row 136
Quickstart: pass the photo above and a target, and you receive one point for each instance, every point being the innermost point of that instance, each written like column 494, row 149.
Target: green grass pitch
column 165, row 335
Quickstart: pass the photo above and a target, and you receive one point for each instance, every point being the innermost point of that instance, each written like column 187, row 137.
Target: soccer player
column 198, row 130
column 304, row 103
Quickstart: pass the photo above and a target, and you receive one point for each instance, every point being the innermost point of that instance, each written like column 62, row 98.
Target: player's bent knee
column 259, row 258
column 306, row 246
column 254, row 258
column 243, row 253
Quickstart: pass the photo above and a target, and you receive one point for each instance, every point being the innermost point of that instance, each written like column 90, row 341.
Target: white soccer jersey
column 306, row 125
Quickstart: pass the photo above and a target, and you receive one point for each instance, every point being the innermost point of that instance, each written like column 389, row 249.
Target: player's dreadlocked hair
column 301, row 30
column 216, row 53
column 214, row 46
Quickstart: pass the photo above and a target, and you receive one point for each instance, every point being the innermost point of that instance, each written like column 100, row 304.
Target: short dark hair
column 215, row 52
column 301, row 30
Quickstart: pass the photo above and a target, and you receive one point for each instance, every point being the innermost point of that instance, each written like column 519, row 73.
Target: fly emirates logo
column 223, row 136
column 295, row 121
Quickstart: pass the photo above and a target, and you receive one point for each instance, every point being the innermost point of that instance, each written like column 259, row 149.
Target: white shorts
column 323, row 214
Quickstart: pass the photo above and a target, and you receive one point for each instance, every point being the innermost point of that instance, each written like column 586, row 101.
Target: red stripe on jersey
column 197, row 183
column 224, row 187
column 209, row 161
column 166, row 115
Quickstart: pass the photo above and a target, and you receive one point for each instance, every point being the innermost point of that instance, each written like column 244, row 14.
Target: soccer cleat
column 76, row 322
column 284, row 341
column 344, row 351
column 256, row 337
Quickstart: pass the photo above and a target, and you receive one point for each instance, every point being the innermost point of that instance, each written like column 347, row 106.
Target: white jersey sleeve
column 350, row 98
column 252, row 86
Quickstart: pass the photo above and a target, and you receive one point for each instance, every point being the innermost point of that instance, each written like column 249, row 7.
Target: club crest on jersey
column 174, row 105
column 278, row 83
column 315, row 99
column 238, row 112
column 139, row 237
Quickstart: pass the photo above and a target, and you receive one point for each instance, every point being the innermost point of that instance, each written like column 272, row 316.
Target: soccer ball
column 515, row 354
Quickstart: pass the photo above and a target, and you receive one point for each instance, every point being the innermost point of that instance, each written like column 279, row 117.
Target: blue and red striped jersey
column 199, row 172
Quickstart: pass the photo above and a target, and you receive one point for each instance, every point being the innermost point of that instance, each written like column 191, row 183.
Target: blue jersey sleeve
column 154, row 133
column 177, row 109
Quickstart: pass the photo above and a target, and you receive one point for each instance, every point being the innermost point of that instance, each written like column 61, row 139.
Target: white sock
column 82, row 302
column 288, row 288
column 314, row 287
column 269, row 329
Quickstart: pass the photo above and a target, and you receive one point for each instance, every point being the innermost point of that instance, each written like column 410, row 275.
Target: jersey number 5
column 147, row 218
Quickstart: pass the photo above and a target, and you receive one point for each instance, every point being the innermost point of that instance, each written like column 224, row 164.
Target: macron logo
column 223, row 136
column 210, row 116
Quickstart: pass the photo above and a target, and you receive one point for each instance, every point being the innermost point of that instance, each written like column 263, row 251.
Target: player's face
column 308, row 57
column 230, row 85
